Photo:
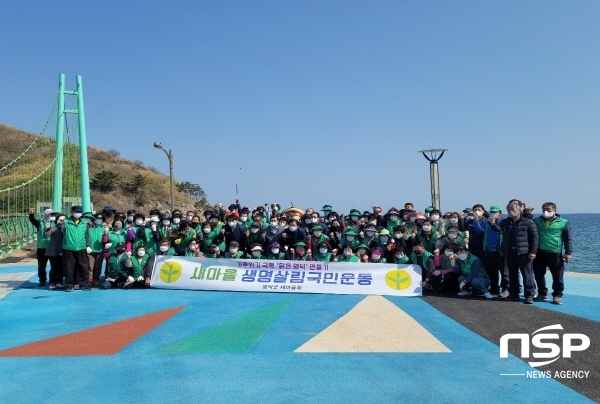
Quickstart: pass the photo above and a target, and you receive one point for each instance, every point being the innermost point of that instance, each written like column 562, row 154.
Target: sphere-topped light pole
column 433, row 159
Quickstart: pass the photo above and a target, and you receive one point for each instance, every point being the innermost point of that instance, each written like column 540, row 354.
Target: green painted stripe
column 236, row 336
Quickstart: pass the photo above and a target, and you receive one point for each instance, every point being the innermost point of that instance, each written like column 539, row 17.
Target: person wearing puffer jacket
column 53, row 250
column 42, row 242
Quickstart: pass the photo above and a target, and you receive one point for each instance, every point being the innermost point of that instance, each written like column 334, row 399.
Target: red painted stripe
column 105, row 339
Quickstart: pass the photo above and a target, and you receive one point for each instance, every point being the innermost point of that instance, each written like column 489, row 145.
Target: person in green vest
column 452, row 237
column 428, row 236
column 299, row 252
column 138, row 263
column 256, row 252
column 554, row 234
column 182, row 236
column 351, row 237
column 117, row 235
column 234, row 251
column 318, row 237
column 214, row 251
column 393, row 220
column 96, row 258
column 428, row 211
column 119, row 267
column 244, row 219
column 377, row 256
column 165, row 229
column 347, row 254
column 42, row 242
column 400, row 257
column 369, row 233
column 192, row 250
column 424, row 259
column 76, row 246
column 275, row 252
column 353, row 221
column 361, row 252
column 211, row 235
column 323, row 254
column 471, row 274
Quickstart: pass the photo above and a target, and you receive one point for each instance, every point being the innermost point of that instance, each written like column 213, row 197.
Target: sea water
column 586, row 242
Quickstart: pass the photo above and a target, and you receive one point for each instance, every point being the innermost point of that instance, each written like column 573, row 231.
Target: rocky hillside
column 116, row 181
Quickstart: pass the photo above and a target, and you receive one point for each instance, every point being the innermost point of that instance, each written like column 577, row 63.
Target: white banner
column 286, row 276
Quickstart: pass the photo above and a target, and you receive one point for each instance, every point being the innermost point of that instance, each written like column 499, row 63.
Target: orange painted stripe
column 105, row 339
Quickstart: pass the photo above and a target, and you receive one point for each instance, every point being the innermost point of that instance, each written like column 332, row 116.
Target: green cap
column 354, row 212
column 327, row 208
column 494, row 208
column 429, row 208
column 88, row 215
column 351, row 232
column 361, row 245
column 317, row 227
column 300, row 244
column 384, row 232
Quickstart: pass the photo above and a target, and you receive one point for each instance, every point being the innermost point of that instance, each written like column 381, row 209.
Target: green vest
column 116, row 265
column 429, row 245
column 351, row 258
column 403, row 260
column 114, row 238
column 138, row 266
column 96, row 233
column 550, row 233
column 75, row 238
column 42, row 242
column 426, row 255
column 465, row 267
column 238, row 254
column 322, row 257
column 280, row 256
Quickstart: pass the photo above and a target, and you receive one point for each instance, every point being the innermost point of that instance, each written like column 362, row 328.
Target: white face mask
column 375, row 257
column 176, row 220
column 164, row 248
column 362, row 251
column 273, row 224
column 399, row 235
column 548, row 214
column 76, row 215
column 254, row 230
column 452, row 236
column 296, row 217
column 192, row 248
column 393, row 218
column 399, row 256
column 206, row 230
column 166, row 222
column 154, row 218
column 412, row 219
column 275, row 251
column 426, row 228
column 477, row 213
column 462, row 256
column 255, row 253
column 384, row 240
column 453, row 220
column 189, row 218
column 98, row 222
column 233, row 251
column 493, row 215
column 314, row 220
column 323, row 250
column 370, row 233
column 348, row 253
column 232, row 224
column 137, row 222
column 435, row 217
column 350, row 238
column 243, row 218
column 307, row 221
column 449, row 253
column 215, row 220
column 130, row 218
column 141, row 253
column 318, row 233
column 293, row 228
column 513, row 214
column 53, row 219
column 354, row 218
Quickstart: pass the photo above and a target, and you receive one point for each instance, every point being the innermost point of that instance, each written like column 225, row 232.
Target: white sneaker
column 60, row 285
column 464, row 293
column 488, row 295
column 52, row 286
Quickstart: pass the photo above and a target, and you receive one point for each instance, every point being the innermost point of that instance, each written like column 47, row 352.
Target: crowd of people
column 476, row 251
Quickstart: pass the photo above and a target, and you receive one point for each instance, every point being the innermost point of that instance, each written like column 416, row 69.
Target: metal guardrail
column 15, row 232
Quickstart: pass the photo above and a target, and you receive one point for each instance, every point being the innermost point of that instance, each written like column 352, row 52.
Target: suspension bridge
column 50, row 169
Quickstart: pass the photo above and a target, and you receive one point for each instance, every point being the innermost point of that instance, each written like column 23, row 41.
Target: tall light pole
column 434, row 174
column 169, row 154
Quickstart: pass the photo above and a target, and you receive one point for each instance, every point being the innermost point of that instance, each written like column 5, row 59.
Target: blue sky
column 327, row 102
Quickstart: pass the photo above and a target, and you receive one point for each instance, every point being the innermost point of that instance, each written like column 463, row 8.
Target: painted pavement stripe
column 374, row 325
column 11, row 281
column 239, row 335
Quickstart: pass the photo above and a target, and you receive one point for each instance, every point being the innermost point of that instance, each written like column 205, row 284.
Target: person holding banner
column 275, row 252
column 256, row 250
column 164, row 249
column 234, row 251
column 299, row 252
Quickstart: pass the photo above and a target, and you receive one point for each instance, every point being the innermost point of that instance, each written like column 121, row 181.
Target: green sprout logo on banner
column 170, row 272
column 398, row 279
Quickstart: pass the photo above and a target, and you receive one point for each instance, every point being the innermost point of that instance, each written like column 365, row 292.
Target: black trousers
column 554, row 261
column 496, row 270
column 520, row 263
column 450, row 283
column 56, row 269
column 42, row 262
column 76, row 267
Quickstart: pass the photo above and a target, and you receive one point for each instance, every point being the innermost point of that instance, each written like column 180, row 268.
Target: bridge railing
column 15, row 232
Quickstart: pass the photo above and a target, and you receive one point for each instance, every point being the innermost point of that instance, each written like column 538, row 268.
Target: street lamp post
column 434, row 174
column 169, row 154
